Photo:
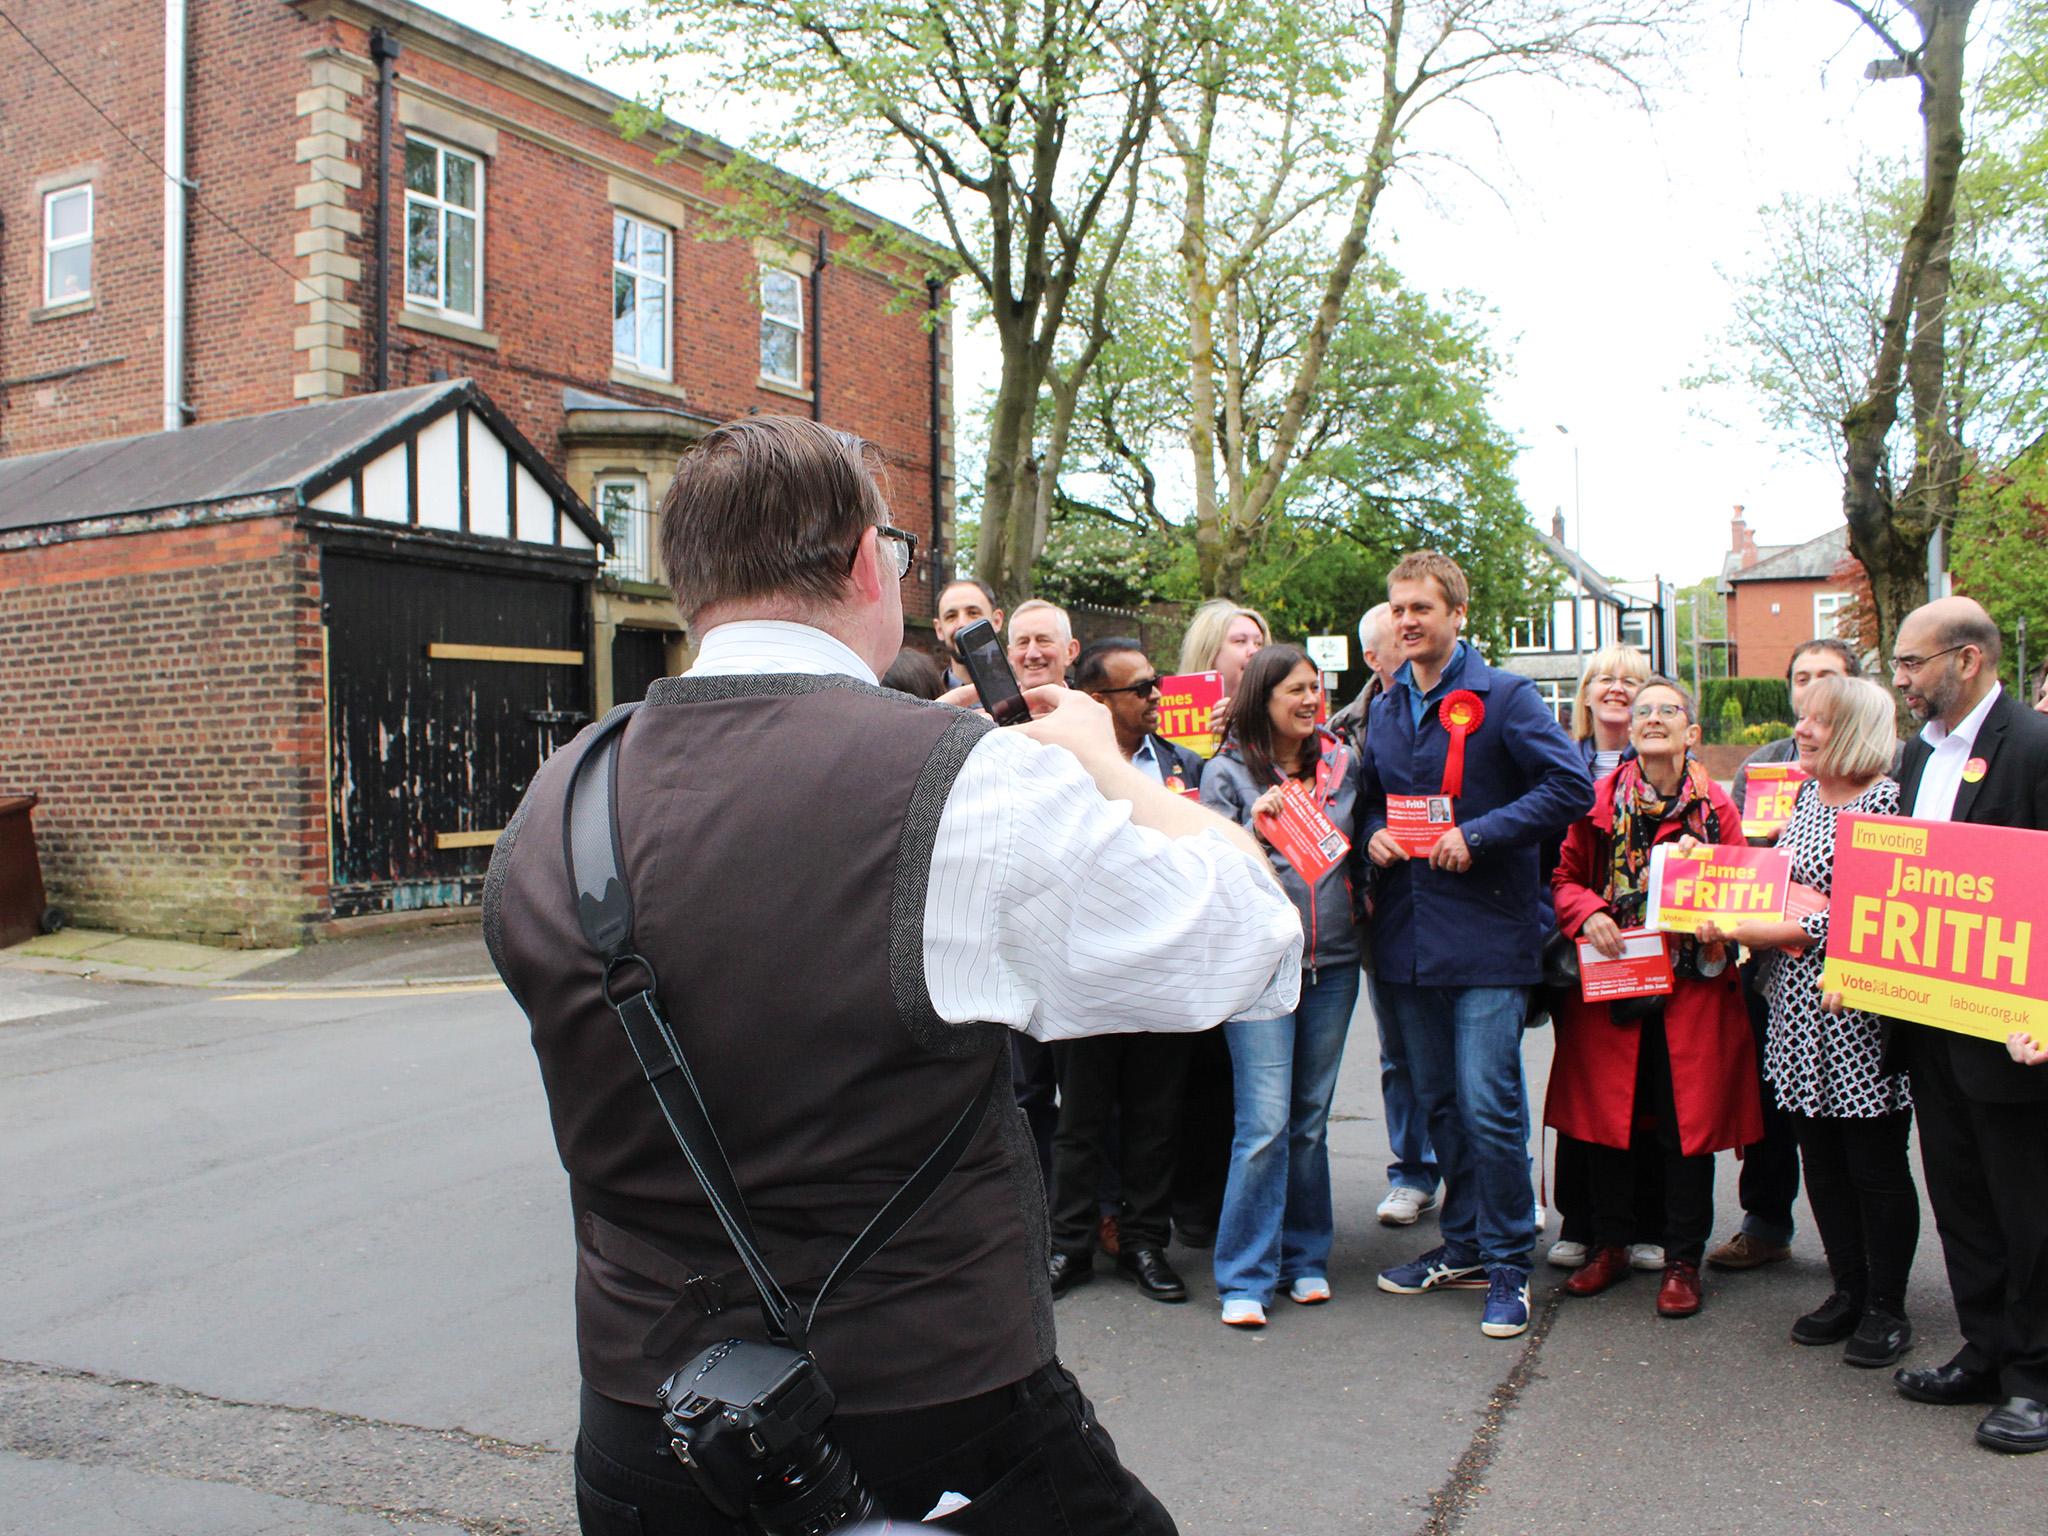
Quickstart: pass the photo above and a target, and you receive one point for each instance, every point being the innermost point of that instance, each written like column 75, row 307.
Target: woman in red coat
column 1682, row 1076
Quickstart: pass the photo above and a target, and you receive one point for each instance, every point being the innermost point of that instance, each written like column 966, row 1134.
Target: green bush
column 1728, row 721
column 1762, row 732
column 1757, row 700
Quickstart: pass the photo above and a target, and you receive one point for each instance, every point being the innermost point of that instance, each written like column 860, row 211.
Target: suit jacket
column 2012, row 793
column 1175, row 758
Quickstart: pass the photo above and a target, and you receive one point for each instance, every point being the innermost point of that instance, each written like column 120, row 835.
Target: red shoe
column 1679, row 1295
column 1603, row 1267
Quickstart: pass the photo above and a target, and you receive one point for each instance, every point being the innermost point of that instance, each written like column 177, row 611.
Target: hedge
column 1759, row 698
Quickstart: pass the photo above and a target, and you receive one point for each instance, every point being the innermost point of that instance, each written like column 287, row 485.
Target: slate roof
column 286, row 456
column 1815, row 560
column 1596, row 585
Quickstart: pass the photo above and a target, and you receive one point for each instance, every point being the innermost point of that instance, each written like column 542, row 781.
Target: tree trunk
column 1891, row 527
column 1009, row 513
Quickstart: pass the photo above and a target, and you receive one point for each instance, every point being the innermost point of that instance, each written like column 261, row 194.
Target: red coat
column 1713, row 1056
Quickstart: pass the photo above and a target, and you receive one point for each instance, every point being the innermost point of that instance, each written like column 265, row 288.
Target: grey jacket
column 1329, row 927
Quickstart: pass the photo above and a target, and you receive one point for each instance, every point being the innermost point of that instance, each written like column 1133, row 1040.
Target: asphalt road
column 301, row 1263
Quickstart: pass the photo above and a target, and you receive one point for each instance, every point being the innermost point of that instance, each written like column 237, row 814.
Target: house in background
column 1586, row 612
column 1779, row 596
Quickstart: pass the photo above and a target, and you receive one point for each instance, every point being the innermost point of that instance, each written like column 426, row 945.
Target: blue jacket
column 1525, row 784
column 1329, row 926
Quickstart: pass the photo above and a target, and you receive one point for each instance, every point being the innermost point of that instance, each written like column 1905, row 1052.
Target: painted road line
column 424, row 989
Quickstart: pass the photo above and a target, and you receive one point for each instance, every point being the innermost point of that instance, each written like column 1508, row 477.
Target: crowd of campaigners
column 1221, row 1136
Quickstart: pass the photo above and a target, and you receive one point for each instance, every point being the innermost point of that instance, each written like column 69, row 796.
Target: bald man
column 1983, row 1116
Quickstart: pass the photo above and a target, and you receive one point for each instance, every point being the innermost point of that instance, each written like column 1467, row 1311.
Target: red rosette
column 1462, row 713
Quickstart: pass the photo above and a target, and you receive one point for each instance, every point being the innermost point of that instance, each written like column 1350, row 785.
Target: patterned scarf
column 1639, row 810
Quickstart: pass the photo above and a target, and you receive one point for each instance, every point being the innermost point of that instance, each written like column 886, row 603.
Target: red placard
column 1306, row 838
column 1644, row 969
column 1939, row 922
column 1715, row 883
column 1768, row 791
column 1417, row 821
column 1186, row 703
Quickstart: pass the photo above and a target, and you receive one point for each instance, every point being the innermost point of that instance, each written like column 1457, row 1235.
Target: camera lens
column 819, row 1491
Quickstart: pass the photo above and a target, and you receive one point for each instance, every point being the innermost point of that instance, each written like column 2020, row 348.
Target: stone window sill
column 634, row 379
column 59, row 311
column 452, row 330
column 784, row 387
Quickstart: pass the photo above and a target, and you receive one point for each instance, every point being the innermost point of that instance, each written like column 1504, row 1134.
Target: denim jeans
column 1277, row 1220
column 1414, row 1164
column 1464, row 1050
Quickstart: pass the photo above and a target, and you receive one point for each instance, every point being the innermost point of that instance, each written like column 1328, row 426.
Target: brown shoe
column 1605, row 1267
column 1745, row 1252
column 1108, row 1237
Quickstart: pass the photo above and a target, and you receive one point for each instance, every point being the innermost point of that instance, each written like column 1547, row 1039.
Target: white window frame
column 1826, row 620
column 1635, row 618
column 1540, row 628
column 1559, row 698
column 442, row 207
column 632, row 361
column 769, row 318
column 621, row 562
column 53, row 246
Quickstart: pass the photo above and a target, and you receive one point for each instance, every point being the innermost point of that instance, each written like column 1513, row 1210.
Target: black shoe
column 1830, row 1322
column 1880, row 1338
column 1068, row 1270
column 2018, row 1425
column 1154, row 1275
column 1948, row 1384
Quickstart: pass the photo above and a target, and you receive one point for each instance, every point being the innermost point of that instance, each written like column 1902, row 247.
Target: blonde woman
column 1600, row 712
column 1222, row 637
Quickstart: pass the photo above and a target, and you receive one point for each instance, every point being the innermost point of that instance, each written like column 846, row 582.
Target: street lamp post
column 1578, row 559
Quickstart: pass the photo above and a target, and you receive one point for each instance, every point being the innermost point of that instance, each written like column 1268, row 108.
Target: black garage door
column 447, row 688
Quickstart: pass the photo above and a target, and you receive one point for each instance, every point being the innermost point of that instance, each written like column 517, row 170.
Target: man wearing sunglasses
column 848, row 899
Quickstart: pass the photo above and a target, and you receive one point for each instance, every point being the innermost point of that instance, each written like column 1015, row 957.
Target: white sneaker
column 1565, row 1254
column 1402, row 1205
column 1308, row 1290
column 1645, row 1256
column 1243, row 1314
column 1541, row 1218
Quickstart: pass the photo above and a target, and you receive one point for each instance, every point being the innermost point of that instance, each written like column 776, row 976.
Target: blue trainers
column 1432, row 1272
column 1507, row 1303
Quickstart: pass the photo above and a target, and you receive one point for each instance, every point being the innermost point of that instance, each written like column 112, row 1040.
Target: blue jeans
column 1414, row 1165
column 1277, row 1221
column 1464, row 1050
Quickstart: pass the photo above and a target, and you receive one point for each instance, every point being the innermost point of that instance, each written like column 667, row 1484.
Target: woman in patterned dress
column 1852, row 1117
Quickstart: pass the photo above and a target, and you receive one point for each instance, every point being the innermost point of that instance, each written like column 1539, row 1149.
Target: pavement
column 293, row 1256
column 433, row 953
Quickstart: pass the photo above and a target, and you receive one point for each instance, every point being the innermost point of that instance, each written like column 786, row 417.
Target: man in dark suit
column 1982, row 758
column 1132, row 1081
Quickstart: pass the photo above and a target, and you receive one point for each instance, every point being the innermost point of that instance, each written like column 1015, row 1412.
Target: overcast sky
column 1601, row 265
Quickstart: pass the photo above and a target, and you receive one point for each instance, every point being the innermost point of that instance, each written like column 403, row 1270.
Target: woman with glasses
column 1601, row 717
column 1277, row 1220
column 1677, row 1073
column 1851, row 1116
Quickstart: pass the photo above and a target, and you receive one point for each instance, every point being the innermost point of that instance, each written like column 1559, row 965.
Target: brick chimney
column 1741, row 540
column 1557, row 526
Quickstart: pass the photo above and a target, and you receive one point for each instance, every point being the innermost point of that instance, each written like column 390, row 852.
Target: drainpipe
column 384, row 50
column 818, row 329
column 940, row 572
column 174, row 214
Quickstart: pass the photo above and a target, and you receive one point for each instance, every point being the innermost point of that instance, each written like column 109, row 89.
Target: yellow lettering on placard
column 1889, row 839
column 2013, row 950
column 1863, row 916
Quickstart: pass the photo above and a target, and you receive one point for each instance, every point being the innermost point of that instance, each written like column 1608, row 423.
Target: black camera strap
column 604, row 909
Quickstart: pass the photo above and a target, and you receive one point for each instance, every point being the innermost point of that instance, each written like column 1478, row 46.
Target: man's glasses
column 1660, row 712
column 900, row 543
column 1915, row 663
column 1142, row 685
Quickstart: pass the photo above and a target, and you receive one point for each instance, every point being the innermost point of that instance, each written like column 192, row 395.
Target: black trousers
column 1035, row 1081
column 1571, row 1191
column 1137, row 1079
column 1688, row 1181
column 1031, row 1457
column 1986, row 1166
column 1208, row 1120
column 1860, row 1185
column 1770, row 1168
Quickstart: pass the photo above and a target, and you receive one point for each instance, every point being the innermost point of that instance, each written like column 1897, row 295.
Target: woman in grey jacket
column 1277, row 1219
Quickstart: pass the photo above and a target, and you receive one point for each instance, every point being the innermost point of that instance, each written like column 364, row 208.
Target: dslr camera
column 748, row 1420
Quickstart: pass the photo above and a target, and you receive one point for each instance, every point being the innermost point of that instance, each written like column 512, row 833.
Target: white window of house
column 1828, row 611
column 1559, row 697
column 1635, row 629
column 67, row 245
column 782, row 326
column 623, row 507
column 1531, row 633
column 444, row 230
column 640, row 283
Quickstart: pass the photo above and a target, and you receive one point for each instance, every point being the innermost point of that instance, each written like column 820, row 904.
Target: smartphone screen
column 980, row 648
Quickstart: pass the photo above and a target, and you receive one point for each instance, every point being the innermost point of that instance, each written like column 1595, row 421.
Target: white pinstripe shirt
column 1048, row 910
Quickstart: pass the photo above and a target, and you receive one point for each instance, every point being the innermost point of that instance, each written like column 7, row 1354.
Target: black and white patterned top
column 1824, row 1064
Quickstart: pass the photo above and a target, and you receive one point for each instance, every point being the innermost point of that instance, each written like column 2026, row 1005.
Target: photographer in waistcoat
column 846, row 897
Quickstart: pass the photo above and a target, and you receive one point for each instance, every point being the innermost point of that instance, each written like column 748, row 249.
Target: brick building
column 379, row 199
column 1781, row 595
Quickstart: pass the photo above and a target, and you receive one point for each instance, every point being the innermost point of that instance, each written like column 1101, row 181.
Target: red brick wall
column 1763, row 640
column 163, row 694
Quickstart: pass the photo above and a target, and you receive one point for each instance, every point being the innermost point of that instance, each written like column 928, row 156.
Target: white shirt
column 1048, row 910
column 1943, row 775
column 1146, row 761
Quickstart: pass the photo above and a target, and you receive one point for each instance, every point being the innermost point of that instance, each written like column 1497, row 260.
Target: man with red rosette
column 1983, row 1116
column 1459, row 919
